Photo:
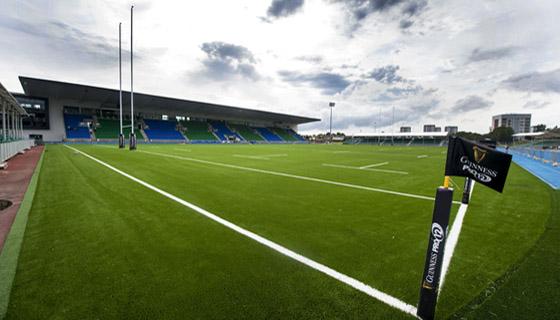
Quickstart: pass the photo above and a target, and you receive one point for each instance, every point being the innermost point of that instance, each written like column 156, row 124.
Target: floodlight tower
column 132, row 134
column 331, row 105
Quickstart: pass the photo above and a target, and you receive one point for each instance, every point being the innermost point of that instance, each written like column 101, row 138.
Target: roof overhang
column 6, row 97
column 529, row 134
column 109, row 98
column 402, row 134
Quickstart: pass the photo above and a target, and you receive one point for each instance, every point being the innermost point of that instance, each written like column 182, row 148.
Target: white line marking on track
column 422, row 156
column 363, row 169
column 453, row 238
column 374, row 165
column 356, row 284
column 288, row 175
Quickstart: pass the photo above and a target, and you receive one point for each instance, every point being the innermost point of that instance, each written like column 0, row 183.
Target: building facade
column 406, row 129
column 520, row 123
column 451, row 129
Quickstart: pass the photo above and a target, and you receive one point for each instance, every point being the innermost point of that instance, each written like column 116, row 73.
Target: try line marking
column 356, row 284
column 288, row 175
column 366, row 168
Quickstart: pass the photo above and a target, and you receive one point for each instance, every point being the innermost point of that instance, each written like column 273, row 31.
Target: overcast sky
column 447, row 62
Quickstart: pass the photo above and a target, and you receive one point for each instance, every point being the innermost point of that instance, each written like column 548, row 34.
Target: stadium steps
column 268, row 135
column 197, row 131
column 223, row 132
column 246, row 132
column 296, row 135
column 282, row 133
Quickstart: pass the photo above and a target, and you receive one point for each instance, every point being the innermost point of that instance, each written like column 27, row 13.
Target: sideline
column 12, row 246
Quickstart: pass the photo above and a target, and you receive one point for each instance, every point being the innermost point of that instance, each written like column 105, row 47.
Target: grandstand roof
column 145, row 102
column 6, row 97
column 402, row 134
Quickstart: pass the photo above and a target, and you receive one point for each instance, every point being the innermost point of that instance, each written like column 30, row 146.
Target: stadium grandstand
column 399, row 138
column 60, row 111
column 12, row 138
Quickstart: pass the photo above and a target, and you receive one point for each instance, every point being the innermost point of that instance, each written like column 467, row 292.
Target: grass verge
column 10, row 253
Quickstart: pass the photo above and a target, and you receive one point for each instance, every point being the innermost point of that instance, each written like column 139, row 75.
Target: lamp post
column 331, row 105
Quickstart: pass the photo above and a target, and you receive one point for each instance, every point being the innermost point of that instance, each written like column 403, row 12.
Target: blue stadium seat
column 75, row 126
column 222, row 131
column 162, row 130
column 268, row 135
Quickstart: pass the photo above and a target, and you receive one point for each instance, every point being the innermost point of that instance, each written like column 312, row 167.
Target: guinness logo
column 479, row 154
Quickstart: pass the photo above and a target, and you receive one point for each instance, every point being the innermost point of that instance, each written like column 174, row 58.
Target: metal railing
column 11, row 148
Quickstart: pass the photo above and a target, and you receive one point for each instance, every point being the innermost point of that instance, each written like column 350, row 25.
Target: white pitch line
column 275, row 155
column 250, row 157
column 374, row 165
column 288, row 175
column 180, row 149
column 453, row 238
column 356, row 284
column 363, row 169
column 341, row 151
column 422, row 156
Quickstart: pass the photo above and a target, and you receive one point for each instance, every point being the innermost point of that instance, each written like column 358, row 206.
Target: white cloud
column 301, row 61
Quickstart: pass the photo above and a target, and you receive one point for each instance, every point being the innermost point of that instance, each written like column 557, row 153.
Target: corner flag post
column 434, row 255
column 476, row 162
column 121, row 135
column 132, row 134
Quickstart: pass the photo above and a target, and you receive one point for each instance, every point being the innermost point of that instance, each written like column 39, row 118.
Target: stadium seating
column 246, row 132
column 162, row 130
column 75, row 127
column 197, row 131
column 109, row 129
column 284, row 134
column 268, row 135
column 296, row 135
column 223, row 132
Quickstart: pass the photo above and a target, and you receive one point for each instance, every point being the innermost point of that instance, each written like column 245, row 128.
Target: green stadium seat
column 197, row 131
column 246, row 132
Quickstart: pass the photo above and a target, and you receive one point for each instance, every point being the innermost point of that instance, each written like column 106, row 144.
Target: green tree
column 502, row 134
column 540, row 128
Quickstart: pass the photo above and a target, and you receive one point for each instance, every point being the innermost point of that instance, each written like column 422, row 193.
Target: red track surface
column 13, row 184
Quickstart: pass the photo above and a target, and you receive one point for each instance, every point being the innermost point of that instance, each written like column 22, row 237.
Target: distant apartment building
column 430, row 128
column 520, row 123
column 406, row 129
column 451, row 129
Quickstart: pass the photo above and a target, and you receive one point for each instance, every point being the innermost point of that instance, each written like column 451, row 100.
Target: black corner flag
column 477, row 161
column 466, row 159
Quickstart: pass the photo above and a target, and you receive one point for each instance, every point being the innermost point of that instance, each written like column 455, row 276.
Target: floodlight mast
column 121, row 135
column 331, row 105
column 132, row 134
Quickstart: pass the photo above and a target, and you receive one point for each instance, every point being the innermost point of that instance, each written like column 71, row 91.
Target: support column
column 4, row 121
column 13, row 124
column 21, row 127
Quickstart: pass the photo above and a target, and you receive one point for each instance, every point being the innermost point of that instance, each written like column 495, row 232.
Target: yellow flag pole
column 446, row 182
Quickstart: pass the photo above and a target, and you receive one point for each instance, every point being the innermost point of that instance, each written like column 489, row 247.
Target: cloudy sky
column 447, row 62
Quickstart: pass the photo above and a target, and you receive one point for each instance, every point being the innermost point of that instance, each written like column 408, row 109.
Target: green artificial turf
column 99, row 245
